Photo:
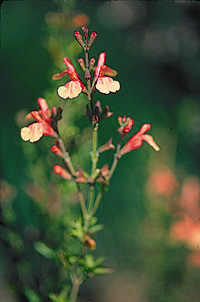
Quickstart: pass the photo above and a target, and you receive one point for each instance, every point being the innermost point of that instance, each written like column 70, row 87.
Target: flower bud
column 59, row 113
column 91, row 63
column 107, row 146
column 87, row 75
column 89, row 243
column 81, row 63
column 56, row 150
column 79, row 38
column 93, row 37
column 81, row 175
column 85, row 30
column 120, row 120
column 106, row 113
column 53, row 110
column 62, row 172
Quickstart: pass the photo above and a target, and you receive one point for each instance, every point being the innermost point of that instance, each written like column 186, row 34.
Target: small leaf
column 93, row 220
column 54, row 297
column 96, row 228
column 31, row 295
column 101, row 270
column 99, row 261
column 89, row 261
column 44, row 250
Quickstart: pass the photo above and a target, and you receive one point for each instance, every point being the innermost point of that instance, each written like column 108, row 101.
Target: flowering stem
column 97, row 202
column 94, row 158
column 115, row 161
column 82, row 201
column 88, row 81
column 94, row 148
column 91, row 198
column 67, row 158
column 75, row 290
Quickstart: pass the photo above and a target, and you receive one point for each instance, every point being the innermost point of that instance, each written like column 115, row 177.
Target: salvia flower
column 72, row 88
column 136, row 141
column 103, row 83
column 44, row 124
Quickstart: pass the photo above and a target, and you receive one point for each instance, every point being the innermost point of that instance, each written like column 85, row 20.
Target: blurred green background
column 154, row 46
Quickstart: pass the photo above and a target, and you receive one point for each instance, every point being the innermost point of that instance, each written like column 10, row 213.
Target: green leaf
column 93, row 220
column 32, row 296
column 89, row 261
column 101, row 270
column 96, row 228
column 44, row 250
column 99, row 261
column 54, row 297
column 62, row 297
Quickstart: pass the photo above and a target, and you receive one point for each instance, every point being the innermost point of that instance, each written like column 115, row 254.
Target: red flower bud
column 79, row 38
column 81, row 63
column 56, row 150
column 62, row 172
column 93, row 37
column 85, row 30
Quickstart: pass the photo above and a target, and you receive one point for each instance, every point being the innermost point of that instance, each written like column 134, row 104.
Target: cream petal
column 75, row 89
column 114, row 86
column 25, row 133
column 103, row 85
column 64, row 91
column 36, row 132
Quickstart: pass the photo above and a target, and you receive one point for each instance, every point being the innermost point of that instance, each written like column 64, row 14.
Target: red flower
column 43, row 125
column 105, row 84
column 136, row 141
column 73, row 88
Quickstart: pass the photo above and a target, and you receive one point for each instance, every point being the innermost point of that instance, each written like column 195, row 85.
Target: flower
column 43, row 126
column 105, row 84
column 73, row 88
column 136, row 141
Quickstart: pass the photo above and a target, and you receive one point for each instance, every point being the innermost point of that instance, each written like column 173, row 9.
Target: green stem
column 115, row 162
column 94, row 159
column 75, row 290
column 89, row 82
column 82, row 202
column 94, row 148
column 97, row 202
column 67, row 158
column 91, row 198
